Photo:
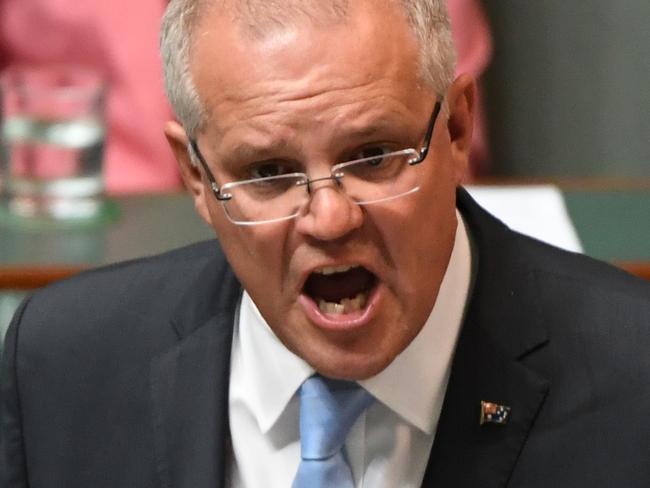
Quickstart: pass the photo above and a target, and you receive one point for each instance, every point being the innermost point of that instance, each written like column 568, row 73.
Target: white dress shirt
column 390, row 442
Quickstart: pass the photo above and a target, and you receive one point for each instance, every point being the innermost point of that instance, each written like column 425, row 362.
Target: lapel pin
column 493, row 413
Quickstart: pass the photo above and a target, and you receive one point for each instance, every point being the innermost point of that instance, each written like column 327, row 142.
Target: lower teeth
column 347, row 305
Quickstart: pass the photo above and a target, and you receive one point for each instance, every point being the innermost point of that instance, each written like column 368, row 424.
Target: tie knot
column 328, row 409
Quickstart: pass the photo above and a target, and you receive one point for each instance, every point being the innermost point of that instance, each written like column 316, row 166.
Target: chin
column 350, row 366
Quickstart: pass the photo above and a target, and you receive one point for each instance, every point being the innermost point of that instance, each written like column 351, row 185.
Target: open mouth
column 340, row 290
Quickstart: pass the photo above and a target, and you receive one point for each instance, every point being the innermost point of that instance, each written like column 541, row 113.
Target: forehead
column 371, row 54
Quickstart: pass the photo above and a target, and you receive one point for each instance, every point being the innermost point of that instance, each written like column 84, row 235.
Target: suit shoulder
column 114, row 298
column 579, row 271
column 592, row 311
column 170, row 269
column 500, row 247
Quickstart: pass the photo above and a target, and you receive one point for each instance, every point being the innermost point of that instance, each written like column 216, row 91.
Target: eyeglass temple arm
column 213, row 182
column 427, row 138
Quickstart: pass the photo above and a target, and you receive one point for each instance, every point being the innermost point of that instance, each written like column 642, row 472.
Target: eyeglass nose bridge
column 308, row 182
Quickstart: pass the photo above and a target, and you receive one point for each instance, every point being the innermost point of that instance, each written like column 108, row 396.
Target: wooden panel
column 28, row 278
column 639, row 269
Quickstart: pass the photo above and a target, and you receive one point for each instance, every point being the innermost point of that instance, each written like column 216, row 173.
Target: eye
column 269, row 169
column 373, row 154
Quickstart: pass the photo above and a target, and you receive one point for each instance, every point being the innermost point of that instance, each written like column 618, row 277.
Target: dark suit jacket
column 119, row 377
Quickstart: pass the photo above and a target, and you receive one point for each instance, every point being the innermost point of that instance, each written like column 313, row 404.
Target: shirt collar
column 268, row 374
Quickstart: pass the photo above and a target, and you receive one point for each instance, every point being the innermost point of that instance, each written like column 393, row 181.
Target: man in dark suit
column 325, row 143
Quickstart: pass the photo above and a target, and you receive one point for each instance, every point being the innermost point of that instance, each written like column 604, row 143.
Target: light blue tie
column 328, row 409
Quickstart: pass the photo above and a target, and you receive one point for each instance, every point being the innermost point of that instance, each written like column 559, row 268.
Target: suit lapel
column 503, row 326
column 466, row 454
column 189, row 386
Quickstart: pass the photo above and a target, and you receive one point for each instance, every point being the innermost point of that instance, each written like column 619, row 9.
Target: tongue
column 337, row 286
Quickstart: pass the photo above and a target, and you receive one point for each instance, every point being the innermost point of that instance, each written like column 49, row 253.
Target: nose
column 329, row 214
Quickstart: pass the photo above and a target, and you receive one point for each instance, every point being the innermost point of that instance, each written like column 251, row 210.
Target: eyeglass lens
column 365, row 181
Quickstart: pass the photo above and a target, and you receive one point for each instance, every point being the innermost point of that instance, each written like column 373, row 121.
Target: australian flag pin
column 493, row 413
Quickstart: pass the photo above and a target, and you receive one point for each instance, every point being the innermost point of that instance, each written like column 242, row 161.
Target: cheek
column 419, row 239
column 255, row 253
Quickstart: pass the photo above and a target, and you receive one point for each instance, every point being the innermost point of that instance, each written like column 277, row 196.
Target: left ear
column 461, row 98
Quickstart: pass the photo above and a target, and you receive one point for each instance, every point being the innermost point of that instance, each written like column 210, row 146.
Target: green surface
column 107, row 212
column 145, row 225
column 9, row 302
column 612, row 225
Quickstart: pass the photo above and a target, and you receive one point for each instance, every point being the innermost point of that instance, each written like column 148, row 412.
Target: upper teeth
column 328, row 270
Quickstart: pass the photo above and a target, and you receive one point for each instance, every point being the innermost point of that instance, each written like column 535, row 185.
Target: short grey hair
column 428, row 18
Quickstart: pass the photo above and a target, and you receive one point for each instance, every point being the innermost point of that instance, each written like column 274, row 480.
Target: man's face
column 307, row 97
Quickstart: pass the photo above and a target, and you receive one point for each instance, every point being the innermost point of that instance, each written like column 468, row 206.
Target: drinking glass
column 52, row 135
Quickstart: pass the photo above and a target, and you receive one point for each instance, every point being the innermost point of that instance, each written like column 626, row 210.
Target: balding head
column 258, row 18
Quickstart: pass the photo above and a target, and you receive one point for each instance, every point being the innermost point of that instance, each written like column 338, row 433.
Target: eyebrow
column 379, row 127
column 246, row 151
column 369, row 131
column 250, row 151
